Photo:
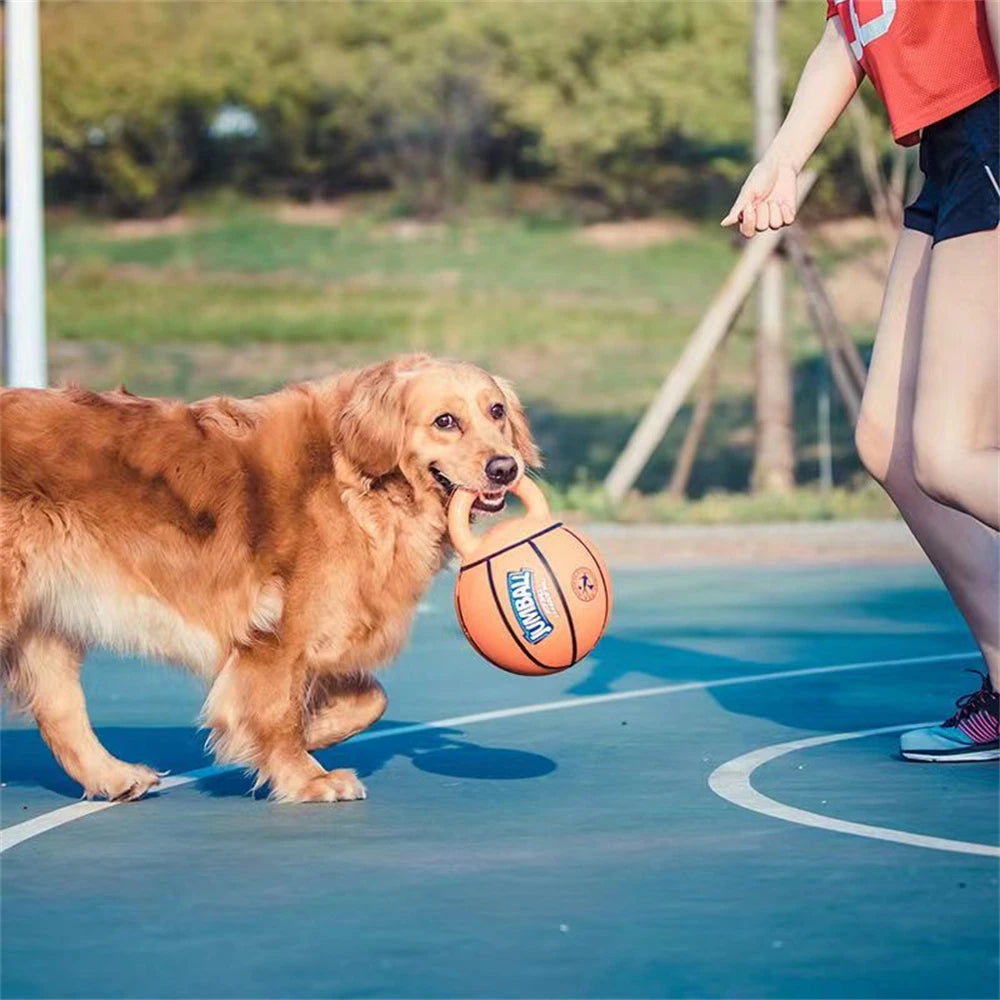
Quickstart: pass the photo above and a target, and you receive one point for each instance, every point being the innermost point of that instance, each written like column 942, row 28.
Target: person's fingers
column 734, row 212
column 775, row 215
column 763, row 220
column 748, row 224
column 787, row 213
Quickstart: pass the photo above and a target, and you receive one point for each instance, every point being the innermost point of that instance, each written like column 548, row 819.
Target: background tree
column 621, row 108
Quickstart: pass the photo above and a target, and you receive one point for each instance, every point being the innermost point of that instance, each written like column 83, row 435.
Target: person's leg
column 965, row 551
column 957, row 413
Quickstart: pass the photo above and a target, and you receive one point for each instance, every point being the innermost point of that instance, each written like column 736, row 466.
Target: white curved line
column 731, row 781
column 20, row 832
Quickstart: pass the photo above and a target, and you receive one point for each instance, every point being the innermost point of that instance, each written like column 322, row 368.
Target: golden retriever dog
column 277, row 546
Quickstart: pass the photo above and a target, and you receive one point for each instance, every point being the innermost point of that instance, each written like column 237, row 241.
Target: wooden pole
column 774, row 438
column 713, row 327
column 681, row 475
column 870, row 172
column 824, row 318
column 897, row 184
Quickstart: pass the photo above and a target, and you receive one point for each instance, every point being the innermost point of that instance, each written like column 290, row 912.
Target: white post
column 824, row 441
column 25, row 347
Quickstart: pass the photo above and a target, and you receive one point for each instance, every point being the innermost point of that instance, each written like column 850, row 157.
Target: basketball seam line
column 597, row 563
column 507, row 548
column 508, row 626
column 562, row 597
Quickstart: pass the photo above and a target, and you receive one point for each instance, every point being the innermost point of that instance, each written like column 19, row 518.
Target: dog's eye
column 446, row 422
column 497, row 411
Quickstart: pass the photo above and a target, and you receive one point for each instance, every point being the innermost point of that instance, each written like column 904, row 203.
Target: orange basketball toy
column 532, row 596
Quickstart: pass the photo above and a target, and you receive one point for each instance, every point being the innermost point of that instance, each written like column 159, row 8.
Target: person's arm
column 993, row 21
column 828, row 82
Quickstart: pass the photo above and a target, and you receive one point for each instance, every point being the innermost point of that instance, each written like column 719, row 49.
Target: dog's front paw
column 332, row 786
column 121, row 782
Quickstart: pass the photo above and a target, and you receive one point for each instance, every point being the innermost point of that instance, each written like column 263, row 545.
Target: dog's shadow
column 26, row 760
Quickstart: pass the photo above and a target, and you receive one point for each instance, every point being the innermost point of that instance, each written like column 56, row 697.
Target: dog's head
column 441, row 424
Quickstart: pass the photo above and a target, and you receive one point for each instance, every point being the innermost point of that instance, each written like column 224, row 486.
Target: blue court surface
column 710, row 805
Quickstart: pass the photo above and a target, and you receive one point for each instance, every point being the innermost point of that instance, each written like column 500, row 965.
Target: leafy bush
column 632, row 105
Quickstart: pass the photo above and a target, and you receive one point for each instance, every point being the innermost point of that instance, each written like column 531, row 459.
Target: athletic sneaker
column 972, row 733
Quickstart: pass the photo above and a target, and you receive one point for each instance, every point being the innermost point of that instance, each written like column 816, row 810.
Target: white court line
column 731, row 781
column 20, row 832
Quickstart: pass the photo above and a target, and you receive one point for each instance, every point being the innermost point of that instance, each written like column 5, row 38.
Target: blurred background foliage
column 241, row 194
column 623, row 107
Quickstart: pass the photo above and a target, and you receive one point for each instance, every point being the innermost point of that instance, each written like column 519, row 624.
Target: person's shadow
column 821, row 701
column 26, row 760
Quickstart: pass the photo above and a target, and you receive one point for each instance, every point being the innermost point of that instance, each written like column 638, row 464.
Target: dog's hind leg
column 255, row 712
column 43, row 673
column 338, row 708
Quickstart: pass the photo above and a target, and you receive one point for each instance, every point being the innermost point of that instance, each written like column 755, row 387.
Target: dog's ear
column 371, row 429
column 523, row 440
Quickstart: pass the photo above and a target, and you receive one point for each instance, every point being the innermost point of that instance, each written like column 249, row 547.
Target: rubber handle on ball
column 528, row 492
column 460, row 508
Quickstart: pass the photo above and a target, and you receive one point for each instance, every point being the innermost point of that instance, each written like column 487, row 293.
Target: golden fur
column 277, row 546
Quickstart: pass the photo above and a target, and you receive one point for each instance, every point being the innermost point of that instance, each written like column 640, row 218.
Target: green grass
column 242, row 302
column 582, row 327
column 514, row 257
column 98, row 305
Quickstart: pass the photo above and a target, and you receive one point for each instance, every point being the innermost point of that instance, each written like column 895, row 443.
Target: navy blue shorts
column 960, row 159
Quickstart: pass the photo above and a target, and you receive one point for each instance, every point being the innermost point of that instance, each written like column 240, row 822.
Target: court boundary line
column 731, row 781
column 28, row 829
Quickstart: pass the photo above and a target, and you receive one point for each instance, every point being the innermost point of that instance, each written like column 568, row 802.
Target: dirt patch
column 193, row 275
column 141, row 229
column 313, row 213
column 840, row 542
column 409, row 231
column 636, row 234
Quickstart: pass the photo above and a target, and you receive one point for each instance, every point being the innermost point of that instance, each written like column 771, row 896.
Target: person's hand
column 767, row 199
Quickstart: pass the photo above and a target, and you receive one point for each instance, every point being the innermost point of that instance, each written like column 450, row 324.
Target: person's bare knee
column 934, row 460
column 874, row 443
column 954, row 423
column 939, row 452
column 882, row 435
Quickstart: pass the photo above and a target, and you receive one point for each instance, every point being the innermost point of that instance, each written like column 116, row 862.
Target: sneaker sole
column 953, row 756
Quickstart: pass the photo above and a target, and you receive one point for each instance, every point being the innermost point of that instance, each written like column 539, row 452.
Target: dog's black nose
column 501, row 469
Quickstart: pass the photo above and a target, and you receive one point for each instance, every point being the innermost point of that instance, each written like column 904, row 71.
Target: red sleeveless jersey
column 926, row 58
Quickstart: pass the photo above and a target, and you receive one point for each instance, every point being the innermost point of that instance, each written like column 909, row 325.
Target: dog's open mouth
column 487, row 501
